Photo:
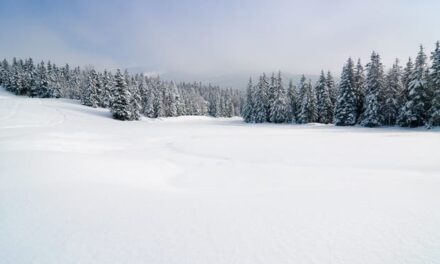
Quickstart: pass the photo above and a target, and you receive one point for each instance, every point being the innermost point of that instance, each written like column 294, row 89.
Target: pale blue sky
column 202, row 36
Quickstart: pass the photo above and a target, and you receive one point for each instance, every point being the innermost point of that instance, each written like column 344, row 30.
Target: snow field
column 79, row 187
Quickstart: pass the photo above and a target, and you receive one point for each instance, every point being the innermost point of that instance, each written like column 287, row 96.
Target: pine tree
column 229, row 107
column 303, row 86
column 17, row 83
column 359, row 80
column 403, row 98
column 30, row 78
column 434, row 119
column 372, row 115
column 271, row 94
column 148, row 101
column 135, row 102
column 414, row 112
column 261, row 100
column 172, row 99
column 292, row 102
column 107, row 83
column 42, row 81
column 55, row 91
column 158, row 88
column 392, row 92
column 100, row 89
column 121, row 108
column 331, row 88
column 90, row 94
column 323, row 102
column 278, row 107
column 248, row 110
column 66, row 81
column 4, row 73
column 346, row 104
column 308, row 106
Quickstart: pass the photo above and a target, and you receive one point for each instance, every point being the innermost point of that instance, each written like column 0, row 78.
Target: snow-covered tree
column 121, row 108
column 107, row 87
column 248, row 109
column 4, row 73
column 228, row 108
column 292, row 102
column 278, row 108
column 307, row 112
column 359, row 80
column 90, row 95
column 172, row 100
column 17, row 83
column 346, row 104
column 331, row 88
column 159, row 91
column 414, row 112
column 42, row 81
column 303, row 86
column 30, row 77
column 434, row 119
column 393, row 90
column 148, row 101
column 372, row 115
column 135, row 101
column 323, row 102
column 261, row 100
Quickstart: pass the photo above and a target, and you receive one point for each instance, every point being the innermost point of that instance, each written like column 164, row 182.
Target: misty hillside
column 237, row 80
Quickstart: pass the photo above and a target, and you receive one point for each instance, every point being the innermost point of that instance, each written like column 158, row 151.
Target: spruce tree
column 248, row 109
column 392, row 92
column 292, row 102
column 172, row 99
column 271, row 96
column 159, row 91
column 323, row 102
column 148, row 101
column 43, row 82
column 229, row 107
column 4, row 73
column 359, row 80
column 121, row 108
column 346, row 104
column 107, row 83
column 372, row 115
column 303, row 86
column 278, row 107
column 135, row 102
column 100, row 89
column 30, row 78
column 17, row 84
column 55, row 91
column 414, row 112
column 261, row 98
column 434, row 119
column 331, row 88
column 90, row 93
column 308, row 106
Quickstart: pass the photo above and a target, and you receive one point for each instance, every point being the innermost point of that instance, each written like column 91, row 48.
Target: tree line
column 408, row 97
column 127, row 96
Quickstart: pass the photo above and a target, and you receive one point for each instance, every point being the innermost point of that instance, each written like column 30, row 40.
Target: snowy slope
column 79, row 187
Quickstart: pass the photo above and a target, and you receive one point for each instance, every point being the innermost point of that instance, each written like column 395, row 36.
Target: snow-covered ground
column 79, row 187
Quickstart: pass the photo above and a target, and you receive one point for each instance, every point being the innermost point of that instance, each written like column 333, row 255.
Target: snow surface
column 79, row 187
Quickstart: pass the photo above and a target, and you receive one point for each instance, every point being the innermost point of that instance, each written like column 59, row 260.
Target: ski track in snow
column 79, row 187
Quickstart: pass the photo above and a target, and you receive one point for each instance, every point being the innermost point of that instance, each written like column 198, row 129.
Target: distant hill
column 234, row 80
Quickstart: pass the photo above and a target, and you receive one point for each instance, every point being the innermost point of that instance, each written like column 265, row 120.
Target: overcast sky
column 202, row 36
